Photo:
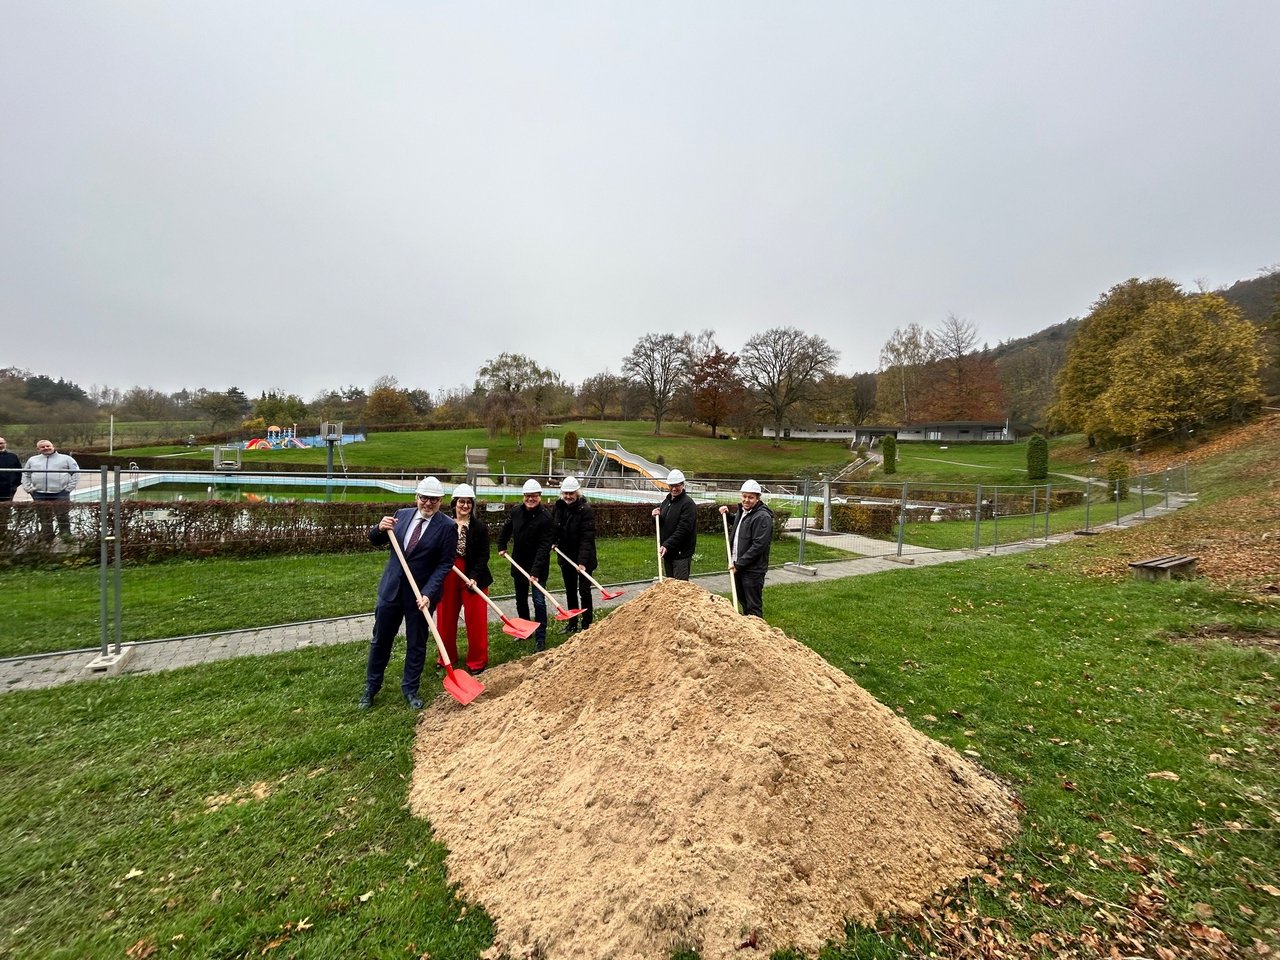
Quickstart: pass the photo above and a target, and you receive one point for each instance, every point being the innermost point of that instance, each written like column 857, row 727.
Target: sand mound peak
column 681, row 777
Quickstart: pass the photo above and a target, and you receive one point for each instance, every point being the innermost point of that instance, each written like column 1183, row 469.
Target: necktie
column 417, row 532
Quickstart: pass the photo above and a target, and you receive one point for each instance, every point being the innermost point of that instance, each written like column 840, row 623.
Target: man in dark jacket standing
column 677, row 528
column 429, row 540
column 10, row 478
column 530, row 531
column 750, row 536
column 576, row 538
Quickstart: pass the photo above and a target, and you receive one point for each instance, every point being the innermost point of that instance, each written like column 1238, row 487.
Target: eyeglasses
column 428, row 499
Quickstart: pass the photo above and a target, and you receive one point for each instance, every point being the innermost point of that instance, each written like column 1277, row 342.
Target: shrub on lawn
column 1118, row 478
column 1037, row 458
column 889, row 450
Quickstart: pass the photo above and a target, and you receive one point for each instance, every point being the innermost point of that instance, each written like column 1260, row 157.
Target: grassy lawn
column 692, row 449
column 58, row 609
column 243, row 807
column 996, row 463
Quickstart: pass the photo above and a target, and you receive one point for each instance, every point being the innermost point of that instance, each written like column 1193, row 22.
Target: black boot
column 571, row 626
column 366, row 698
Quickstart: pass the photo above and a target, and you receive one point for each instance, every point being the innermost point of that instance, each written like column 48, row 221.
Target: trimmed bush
column 867, row 519
column 1037, row 458
column 569, row 451
column 1118, row 478
column 889, row 450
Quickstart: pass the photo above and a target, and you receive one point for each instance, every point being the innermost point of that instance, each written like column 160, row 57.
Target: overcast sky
column 302, row 195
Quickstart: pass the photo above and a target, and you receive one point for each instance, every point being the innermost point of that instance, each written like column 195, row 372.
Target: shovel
column 657, row 535
column 520, row 629
column 561, row 612
column 463, row 687
column 604, row 594
column 728, row 551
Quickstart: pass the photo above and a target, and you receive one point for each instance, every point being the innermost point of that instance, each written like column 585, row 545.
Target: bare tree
column 903, row 359
column 782, row 365
column 657, row 364
column 514, row 388
column 599, row 392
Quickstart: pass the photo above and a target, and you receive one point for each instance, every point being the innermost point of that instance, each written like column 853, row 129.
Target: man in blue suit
column 429, row 540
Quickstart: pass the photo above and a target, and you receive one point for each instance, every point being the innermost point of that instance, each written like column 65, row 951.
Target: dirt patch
column 681, row 777
column 1262, row 638
column 239, row 797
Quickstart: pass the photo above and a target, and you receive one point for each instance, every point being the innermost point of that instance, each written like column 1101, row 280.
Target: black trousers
column 577, row 593
column 750, row 585
column 522, row 587
column 676, row 569
column 51, row 507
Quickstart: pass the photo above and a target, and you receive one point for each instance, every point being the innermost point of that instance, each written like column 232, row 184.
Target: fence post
column 1031, row 514
column 902, row 517
column 1088, row 500
column 804, row 519
column 1186, row 483
column 116, row 527
column 1142, row 495
column 1166, row 488
column 103, row 544
column 826, row 506
column 995, row 521
column 977, row 518
column 1115, row 494
column 1048, row 507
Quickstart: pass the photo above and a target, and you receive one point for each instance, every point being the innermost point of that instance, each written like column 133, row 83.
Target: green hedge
column 156, row 531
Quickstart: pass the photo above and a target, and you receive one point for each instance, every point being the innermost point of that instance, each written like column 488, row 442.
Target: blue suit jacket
column 429, row 562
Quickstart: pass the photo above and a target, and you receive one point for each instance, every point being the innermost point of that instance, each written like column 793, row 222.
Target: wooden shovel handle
column 583, row 572
column 435, row 634
column 477, row 591
column 512, row 560
column 728, row 552
column 657, row 535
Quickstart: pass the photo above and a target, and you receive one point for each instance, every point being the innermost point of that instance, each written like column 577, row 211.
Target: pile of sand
column 682, row 777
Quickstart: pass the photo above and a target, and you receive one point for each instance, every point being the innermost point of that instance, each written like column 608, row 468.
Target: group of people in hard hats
column 434, row 544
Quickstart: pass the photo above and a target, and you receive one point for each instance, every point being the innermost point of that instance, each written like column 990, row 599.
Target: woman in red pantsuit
column 473, row 560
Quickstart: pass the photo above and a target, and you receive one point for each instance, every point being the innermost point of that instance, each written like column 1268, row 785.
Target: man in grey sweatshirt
column 50, row 477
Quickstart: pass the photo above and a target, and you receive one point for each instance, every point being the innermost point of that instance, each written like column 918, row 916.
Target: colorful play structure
column 276, row 439
column 285, row 438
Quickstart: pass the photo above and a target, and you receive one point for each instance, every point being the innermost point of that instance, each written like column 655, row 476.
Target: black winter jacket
column 678, row 526
column 576, row 531
column 10, row 480
column 530, row 533
column 755, row 539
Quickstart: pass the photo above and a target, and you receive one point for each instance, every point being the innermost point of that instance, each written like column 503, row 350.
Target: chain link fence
column 136, row 555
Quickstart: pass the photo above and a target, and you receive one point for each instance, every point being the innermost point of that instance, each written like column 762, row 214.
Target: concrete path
column 152, row 656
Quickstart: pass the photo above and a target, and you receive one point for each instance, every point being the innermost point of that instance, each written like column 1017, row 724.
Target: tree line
column 1149, row 359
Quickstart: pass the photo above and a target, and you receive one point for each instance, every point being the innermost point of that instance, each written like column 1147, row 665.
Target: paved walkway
column 153, row 656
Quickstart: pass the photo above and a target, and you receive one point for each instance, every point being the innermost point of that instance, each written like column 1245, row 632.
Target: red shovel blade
column 520, row 629
column 606, row 595
column 563, row 614
column 461, row 685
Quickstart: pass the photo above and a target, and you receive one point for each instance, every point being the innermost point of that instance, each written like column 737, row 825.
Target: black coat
column 10, row 480
column 477, row 555
column 678, row 526
column 530, row 533
column 576, row 531
column 755, row 539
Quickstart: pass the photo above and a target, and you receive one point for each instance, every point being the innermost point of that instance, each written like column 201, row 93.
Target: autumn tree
column 1190, row 362
column 1089, row 370
column 387, row 402
column 716, row 388
column 903, row 361
column 656, row 365
column 781, row 367
column 862, row 398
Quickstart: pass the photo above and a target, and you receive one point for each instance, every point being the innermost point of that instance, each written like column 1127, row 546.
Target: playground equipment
column 277, row 438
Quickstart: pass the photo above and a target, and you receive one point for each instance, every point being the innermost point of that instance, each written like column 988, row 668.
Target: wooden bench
column 1163, row 568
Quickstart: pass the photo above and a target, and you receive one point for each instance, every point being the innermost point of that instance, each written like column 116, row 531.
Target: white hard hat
column 569, row 484
column 531, row 486
column 430, row 487
column 463, row 491
column 675, row 476
column 751, row 487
